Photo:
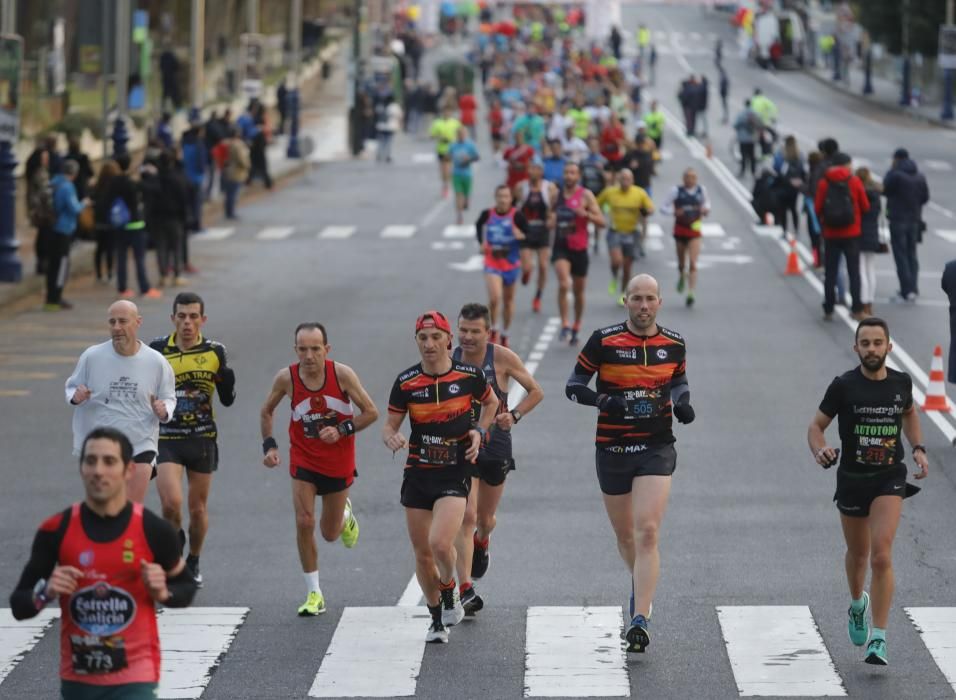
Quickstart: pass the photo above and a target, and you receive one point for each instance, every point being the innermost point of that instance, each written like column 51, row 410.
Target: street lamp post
column 905, row 91
column 357, row 141
column 120, row 133
column 292, row 95
column 197, row 49
column 947, row 113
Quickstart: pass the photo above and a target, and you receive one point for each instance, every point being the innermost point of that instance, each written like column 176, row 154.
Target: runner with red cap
column 322, row 431
column 443, row 445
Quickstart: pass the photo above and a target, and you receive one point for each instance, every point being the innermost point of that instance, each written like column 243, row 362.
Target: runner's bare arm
column 516, row 370
column 595, row 215
column 281, row 387
column 350, row 382
column 818, row 443
column 392, row 438
column 489, row 405
column 914, row 434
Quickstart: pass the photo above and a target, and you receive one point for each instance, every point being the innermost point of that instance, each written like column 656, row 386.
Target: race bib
column 312, row 424
column 643, row 404
column 93, row 655
column 438, row 451
column 876, row 451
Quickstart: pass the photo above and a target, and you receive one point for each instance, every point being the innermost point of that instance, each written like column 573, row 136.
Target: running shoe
column 857, row 626
column 451, row 611
column 192, row 563
column 637, row 636
column 876, row 653
column 536, row 305
column 350, row 531
column 190, row 269
column 471, row 601
column 152, row 294
column 493, row 336
column 620, row 301
column 565, row 334
column 437, row 633
column 573, row 340
column 51, row 307
column 65, row 305
column 313, row 605
column 127, row 294
column 690, row 300
column 680, row 284
column 612, row 288
column 480, row 559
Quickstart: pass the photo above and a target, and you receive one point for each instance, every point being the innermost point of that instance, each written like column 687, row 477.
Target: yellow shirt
column 445, row 131
column 625, row 206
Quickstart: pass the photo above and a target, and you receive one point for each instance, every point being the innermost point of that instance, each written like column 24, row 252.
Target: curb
column 893, row 109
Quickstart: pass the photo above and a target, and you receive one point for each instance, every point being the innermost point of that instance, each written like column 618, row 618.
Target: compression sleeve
column 182, row 589
column 480, row 226
column 226, row 384
column 680, row 390
column 577, row 388
column 43, row 556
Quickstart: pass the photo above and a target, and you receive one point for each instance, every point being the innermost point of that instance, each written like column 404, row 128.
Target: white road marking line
column 736, row 259
column 947, row 235
column 398, row 231
column 541, row 347
column 941, row 210
column 937, row 627
column 654, row 230
column 389, row 640
column 412, row 595
column 575, row 652
column 275, row 233
column 456, row 231
column 472, row 264
column 535, row 356
column 710, row 229
column 193, row 641
column 433, row 213
column 214, row 234
column 937, row 165
column 777, row 650
column 448, row 245
column 428, row 157
column 337, row 232
column 17, row 638
column 742, row 196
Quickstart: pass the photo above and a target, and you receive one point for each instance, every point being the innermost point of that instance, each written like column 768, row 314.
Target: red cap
column 433, row 319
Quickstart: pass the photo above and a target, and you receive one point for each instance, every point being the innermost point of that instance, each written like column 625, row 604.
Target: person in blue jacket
column 67, row 208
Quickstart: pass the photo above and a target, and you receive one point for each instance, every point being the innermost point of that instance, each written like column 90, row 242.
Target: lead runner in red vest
column 321, row 447
column 108, row 561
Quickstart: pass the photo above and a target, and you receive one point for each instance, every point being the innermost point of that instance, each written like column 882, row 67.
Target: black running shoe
column 637, row 636
column 480, row 559
column 192, row 563
column 471, row 602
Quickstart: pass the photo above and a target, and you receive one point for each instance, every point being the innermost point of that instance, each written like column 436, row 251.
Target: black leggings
column 105, row 243
column 788, row 207
column 57, row 267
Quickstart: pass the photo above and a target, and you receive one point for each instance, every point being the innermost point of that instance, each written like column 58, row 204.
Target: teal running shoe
column 876, row 653
column 857, row 626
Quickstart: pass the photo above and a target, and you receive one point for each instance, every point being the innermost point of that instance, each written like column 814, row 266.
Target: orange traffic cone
column 936, row 391
column 793, row 262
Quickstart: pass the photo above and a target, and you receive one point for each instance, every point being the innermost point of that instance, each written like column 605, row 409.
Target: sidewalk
column 885, row 95
column 322, row 103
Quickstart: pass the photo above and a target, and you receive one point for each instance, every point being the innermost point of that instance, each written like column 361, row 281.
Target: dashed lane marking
column 398, row 231
column 337, row 232
column 275, row 233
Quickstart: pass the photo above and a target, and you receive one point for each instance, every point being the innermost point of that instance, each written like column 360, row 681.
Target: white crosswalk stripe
column 214, row 234
column 463, row 231
column 395, row 651
column 777, row 650
column 570, row 651
column 337, row 232
column 710, row 229
column 398, row 231
column 275, row 233
column 193, row 641
column 575, row 652
column 937, row 627
column 947, row 235
column 17, row 638
column 938, row 165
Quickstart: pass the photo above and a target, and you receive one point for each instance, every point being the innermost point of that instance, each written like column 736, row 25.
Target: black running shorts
column 536, row 240
column 492, row 471
column 324, row 485
column 578, row 259
column 196, row 454
column 855, row 494
column 421, row 488
column 616, row 471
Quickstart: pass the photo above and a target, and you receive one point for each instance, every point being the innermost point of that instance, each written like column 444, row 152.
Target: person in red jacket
column 840, row 203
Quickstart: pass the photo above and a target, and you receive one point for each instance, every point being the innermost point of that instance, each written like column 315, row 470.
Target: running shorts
column 616, row 471
column 196, row 454
column 578, row 258
column 72, row 690
column 854, row 494
column 422, row 487
column 509, row 277
column 536, row 239
column 624, row 241
column 492, row 471
column 324, row 485
column 461, row 184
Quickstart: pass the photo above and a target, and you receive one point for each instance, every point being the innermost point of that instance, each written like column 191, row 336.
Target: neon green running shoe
column 857, row 626
column 313, row 605
column 350, row 531
column 876, row 653
column 680, row 284
column 612, row 288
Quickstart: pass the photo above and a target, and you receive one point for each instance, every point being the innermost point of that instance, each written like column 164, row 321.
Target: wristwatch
column 481, row 431
column 921, row 448
column 40, row 598
column 516, row 414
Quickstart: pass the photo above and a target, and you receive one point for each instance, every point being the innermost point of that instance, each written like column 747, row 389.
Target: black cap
column 840, row 159
column 900, row 154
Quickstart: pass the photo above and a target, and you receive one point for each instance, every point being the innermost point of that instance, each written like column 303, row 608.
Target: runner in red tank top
column 108, row 561
column 322, row 431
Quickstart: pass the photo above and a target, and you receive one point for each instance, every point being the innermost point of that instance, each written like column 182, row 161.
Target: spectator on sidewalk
column 747, row 126
column 389, row 120
column 164, row 131
column 195, row 164
column 75, row 153
column 213, row 133
column 235, row 170
column 688, row 98
column 67, row 208
column 724, row 94
column 169, row 68
column 791, row 179
column 840, row 203
column 702, row 94
column 814, row 159
column 414, row 106
column 869, row 239
column 906, row 192
column 257, row 149
column 168, row 202
column 282, row 107
column 128, row 217
column 40, row 209
column 949, row 287
column 104, row 230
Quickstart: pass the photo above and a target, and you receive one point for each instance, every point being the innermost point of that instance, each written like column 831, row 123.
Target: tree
column 884, row 19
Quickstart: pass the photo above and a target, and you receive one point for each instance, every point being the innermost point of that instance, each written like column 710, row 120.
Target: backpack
column 838, row 209
column 42, row 214
column 119, row 213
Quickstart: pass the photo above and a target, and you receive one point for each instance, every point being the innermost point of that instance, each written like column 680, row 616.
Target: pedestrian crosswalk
column 569, row 651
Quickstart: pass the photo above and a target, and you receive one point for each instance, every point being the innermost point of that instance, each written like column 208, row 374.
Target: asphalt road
column 750, row 522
